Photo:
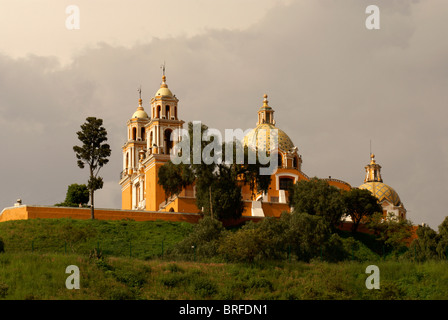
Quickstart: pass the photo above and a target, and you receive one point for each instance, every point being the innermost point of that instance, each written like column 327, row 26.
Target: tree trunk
column 92, row 214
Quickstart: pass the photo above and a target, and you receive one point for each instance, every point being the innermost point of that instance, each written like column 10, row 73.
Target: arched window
column 143, row 134
column 167, row 111
column 168, row 142
column 151, row 141
column 134, row 133
column 285, row 183
column 295, row 163
column 280, row 160
column 175, row 112
column 127, row 161
column 158, row 112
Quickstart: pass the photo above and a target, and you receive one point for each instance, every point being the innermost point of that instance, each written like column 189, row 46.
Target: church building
column 149, row 143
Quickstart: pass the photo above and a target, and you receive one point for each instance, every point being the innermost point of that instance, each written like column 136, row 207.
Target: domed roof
column 163, row 90
column 140, row 113
column 260, row 137
column 382, row 191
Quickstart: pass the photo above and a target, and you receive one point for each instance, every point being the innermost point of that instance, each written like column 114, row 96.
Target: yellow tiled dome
column 259, row 137
column 382, row 191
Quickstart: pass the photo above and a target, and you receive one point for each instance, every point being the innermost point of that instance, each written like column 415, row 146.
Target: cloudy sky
column 334, row 85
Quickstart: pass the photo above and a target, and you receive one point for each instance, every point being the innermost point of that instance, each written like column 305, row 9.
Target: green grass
column 141, row 239
column 42, row 276
column 131, row 266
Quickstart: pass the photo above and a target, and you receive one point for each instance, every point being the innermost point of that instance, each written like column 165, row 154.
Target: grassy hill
column 140, row 239
column 132, row 266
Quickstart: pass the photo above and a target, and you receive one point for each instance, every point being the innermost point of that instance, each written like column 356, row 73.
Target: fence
column 134, row 249
column 159, row 249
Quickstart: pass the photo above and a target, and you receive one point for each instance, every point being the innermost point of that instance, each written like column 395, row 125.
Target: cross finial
column 139, row 90
column 163, row 68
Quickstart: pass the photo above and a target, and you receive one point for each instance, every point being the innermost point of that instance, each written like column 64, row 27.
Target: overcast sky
column 334, row 85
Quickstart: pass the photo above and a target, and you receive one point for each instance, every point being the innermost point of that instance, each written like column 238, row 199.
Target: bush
column 204, row 238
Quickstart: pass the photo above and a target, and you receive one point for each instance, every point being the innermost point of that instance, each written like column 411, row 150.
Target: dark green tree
column 218, row 184
column 360, row 204
column 391, row 232
column 425, row 246
column 173, row 178
column 442, row 245
column 93, row 153
column 77, row 194
column 317, row 197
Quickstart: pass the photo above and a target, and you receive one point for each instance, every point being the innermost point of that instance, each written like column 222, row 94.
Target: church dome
column 163, row 90
column 382, row 191
column 140, row 113
column 260, row 137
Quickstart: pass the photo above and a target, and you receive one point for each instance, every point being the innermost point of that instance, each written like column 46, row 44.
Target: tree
column 174, row 178
column 218, row 187
column 317, row 197
column 391, row 232
column 360, row 204
column 442, row 246
column 93, row 153
column 425, row 246
column 77, row 194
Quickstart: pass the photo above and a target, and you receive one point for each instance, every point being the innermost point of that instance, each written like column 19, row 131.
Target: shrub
column 204, row 287
column 205, row 237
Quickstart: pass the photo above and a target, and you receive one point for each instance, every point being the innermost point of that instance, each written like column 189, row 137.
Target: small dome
column 259, row 139
column 382, row 191
column 163, row 90
column 140, row 113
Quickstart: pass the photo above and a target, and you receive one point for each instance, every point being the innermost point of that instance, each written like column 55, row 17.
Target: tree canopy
column 218, row 183
column 77, row 194
column 317, row 197
column 360, row 204
column 93, row 152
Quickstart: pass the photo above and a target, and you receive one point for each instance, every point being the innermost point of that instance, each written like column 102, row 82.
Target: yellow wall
column 126, row 198
column 42, row 212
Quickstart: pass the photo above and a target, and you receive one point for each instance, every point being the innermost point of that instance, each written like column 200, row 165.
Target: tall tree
column 93, row 153
column 218, row 184
column 360, row 204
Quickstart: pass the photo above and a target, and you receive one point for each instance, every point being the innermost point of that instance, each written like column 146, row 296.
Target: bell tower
column 132, row 179
column 150, row 141
column 160, row 141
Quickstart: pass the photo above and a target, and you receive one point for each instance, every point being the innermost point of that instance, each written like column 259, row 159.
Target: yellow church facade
column 149, row 145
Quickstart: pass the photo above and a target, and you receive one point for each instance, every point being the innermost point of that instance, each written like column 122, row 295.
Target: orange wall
column 34, row 212
column 14, row 213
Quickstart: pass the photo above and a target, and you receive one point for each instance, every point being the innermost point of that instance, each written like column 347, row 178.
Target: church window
column 134, row 133
column 295, row 163
column 143, row 133
column 167, row 111
column 285, row 183
column 168, row 142
column 280, row 160
column 158, row 112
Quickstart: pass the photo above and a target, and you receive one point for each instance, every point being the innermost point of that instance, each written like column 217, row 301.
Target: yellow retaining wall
column 42, row 212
